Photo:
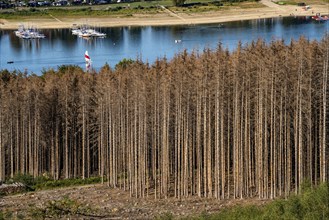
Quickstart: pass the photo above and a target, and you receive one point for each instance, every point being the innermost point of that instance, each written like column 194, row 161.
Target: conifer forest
column 252, row 122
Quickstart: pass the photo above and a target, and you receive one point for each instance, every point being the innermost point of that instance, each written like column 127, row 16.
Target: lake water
column 149, row 43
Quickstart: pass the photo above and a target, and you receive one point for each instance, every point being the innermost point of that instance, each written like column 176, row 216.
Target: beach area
column 168, row 17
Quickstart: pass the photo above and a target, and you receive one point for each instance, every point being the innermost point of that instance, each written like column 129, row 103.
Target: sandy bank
column 166, row 18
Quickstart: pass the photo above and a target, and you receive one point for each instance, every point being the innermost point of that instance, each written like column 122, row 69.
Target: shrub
column 312, row 203
column 165, row 216
column 63, row 207
column 124, row 63
column 5, row 215
column 69, row 68
column 26, row 179
column 66, row 182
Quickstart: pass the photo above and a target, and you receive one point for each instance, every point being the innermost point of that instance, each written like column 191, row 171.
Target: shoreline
column 270, row 10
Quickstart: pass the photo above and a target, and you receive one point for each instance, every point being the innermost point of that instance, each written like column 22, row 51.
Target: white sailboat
column 88, row 61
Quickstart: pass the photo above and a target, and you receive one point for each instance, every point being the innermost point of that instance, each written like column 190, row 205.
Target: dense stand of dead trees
column 252, row 122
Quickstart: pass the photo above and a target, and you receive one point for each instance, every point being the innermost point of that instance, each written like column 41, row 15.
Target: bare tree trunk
column 324, row 145
column 2, row 150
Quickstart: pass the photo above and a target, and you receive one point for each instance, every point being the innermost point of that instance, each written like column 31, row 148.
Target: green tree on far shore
column 178, row 2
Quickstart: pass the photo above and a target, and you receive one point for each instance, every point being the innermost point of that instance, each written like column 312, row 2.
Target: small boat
column 99, row 34
column 320, row 18
column 86, row 32
column 20, row 31
column 76, row 31
column 29, row 33
column 25, row 36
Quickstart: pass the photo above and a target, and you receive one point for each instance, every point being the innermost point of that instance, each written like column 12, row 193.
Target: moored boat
column 30, row 33
column 87, row 32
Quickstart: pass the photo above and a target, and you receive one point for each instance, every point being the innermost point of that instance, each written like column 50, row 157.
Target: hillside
column 100, row 201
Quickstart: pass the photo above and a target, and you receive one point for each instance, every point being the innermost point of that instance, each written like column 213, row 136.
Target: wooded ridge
column 252, row 122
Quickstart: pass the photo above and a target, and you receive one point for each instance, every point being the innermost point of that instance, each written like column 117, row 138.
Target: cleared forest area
column 102, row 202
column 212, row 124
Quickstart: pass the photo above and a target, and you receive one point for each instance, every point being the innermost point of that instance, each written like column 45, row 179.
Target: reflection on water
column 61, row 47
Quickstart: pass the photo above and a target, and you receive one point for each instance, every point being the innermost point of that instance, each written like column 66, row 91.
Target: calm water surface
column 149, row 43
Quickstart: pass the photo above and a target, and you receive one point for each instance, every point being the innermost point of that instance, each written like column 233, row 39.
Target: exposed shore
column 168, row 18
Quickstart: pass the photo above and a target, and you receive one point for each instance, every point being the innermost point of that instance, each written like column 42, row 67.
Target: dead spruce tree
column 215, row 124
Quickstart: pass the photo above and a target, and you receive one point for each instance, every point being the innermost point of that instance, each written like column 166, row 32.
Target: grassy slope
column 312, row 203
column 122, row 9
column 128, row 9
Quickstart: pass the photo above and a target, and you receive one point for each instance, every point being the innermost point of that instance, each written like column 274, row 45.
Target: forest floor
column 104, row 202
